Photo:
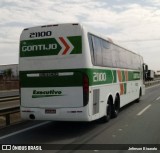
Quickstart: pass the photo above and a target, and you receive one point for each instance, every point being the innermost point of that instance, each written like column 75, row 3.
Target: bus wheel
column 140, row 94
column 116, row 107
column 107, row 117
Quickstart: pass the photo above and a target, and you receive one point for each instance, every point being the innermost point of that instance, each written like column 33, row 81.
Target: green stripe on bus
column 54, row 81
column 123, row 76
column 71, row 77
column 125, row 88
column 100, row 76
column 96, row 77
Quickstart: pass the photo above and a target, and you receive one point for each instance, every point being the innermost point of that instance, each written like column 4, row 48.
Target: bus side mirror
column 146, row 68
column 145, row 71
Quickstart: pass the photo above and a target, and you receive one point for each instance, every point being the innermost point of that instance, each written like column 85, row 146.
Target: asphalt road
column 137, row 123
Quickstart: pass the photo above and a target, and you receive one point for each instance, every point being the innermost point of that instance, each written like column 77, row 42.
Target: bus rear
column 53, row 82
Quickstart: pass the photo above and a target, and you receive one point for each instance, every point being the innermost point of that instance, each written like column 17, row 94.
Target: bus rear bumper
column 55, row 114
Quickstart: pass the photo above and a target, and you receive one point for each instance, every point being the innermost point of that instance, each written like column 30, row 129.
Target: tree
column 8, row 73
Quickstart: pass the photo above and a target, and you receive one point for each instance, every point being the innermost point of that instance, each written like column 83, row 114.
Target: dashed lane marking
column 143, row 110
column 158, row 98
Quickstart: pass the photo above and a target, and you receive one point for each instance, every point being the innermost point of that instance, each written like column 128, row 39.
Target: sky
column 135, row 24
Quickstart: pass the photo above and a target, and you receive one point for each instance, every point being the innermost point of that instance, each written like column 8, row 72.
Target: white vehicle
column 69, row 73
column 150, row 75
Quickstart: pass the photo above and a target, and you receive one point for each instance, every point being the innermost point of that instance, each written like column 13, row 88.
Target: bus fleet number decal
column 99, row 77
column 40, row 34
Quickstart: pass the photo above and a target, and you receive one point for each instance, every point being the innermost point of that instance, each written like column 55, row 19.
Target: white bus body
column 68, row 73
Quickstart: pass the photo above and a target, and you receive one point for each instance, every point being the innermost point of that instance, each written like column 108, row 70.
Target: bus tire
column 107, row 117
column 140, row 94
column 116, row 107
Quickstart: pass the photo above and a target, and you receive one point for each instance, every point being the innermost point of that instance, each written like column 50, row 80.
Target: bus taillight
column 85, row 90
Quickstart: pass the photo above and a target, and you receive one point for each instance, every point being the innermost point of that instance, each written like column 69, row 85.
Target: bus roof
column 89, row 31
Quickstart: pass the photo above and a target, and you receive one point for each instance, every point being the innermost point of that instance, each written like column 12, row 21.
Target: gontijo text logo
column 51, row 46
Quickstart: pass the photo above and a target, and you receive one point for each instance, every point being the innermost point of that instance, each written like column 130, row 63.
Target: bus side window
column 97, row 50
column 91, row 48
column 106, row 53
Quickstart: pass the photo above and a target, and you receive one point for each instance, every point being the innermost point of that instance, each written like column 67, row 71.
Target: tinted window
column 104, row 53
column 97, row 50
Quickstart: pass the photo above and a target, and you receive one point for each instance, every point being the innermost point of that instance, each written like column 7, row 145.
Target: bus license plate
column 50, row 111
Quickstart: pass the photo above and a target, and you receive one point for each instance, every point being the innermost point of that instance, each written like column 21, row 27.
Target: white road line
column 23, row 130
column 158, row 98
column 143, row 110
column 152, row 86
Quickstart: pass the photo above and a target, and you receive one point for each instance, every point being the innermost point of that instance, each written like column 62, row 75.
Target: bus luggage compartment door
column 95, row 101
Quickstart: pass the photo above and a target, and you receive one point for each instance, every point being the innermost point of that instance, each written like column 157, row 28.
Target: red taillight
column 85, row 90
column 85, row 84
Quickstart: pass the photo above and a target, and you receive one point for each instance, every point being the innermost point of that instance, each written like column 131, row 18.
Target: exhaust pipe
column 31, row 116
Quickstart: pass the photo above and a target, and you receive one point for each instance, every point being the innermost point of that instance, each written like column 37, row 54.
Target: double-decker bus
column 69, row 73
